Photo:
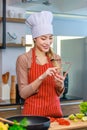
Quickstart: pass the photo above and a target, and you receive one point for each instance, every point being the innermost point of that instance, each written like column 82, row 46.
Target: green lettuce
column 83, row 107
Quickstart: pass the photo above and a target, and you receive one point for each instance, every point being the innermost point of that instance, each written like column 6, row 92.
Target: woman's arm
column 25, row 89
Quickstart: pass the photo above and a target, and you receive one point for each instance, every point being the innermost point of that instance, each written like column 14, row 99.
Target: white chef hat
column 40, row 23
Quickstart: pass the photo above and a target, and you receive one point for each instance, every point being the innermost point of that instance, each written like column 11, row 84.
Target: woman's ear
column 34, row 40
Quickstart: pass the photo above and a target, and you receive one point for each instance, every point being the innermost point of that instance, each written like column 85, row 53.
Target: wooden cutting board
column 73, row 125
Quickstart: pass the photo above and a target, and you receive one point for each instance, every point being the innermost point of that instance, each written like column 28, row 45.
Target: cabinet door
column 9, row 111
column 70, row 108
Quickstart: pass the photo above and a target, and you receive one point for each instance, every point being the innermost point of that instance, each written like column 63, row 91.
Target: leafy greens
column 83, row 107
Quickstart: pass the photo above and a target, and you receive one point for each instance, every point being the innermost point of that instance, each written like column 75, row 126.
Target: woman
column 38, row 71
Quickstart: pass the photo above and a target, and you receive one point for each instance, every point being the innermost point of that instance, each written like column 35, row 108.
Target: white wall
column 9, row 57
column 70, row 26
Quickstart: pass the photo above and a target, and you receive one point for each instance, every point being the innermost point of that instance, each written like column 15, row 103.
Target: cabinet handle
column 22, row 107
column 7, row 109
column 70, row 103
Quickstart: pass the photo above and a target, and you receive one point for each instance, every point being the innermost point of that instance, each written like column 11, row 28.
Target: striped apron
column 45, row 102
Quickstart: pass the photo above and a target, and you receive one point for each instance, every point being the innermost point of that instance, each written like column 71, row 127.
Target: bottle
column 13, row 88
column 23, row 42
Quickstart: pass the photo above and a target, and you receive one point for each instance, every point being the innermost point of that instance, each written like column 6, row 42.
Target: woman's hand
column 54, row 73
column 51, row 71
column 59, row 80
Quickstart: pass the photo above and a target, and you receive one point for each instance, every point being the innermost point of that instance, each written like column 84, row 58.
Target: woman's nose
column 48, row 41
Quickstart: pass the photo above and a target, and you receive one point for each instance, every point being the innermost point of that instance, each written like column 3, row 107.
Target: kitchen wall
column 72, row 50
column 0, row 7
column 9, row 57
column 85, row 71
column 62, row 26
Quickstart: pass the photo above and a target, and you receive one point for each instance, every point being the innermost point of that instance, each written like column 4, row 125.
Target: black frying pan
column 36, row 122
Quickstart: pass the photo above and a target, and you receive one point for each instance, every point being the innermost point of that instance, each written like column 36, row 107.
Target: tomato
column 61, row 121
column 52, row 119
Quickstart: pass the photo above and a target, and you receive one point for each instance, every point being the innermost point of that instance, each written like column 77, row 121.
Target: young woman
column 39, row 70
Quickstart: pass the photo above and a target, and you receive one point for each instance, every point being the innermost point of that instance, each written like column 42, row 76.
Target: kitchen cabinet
column 70, row 107
column 7, row 111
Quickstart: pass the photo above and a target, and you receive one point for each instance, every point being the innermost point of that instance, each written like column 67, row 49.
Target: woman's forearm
column 32, row 88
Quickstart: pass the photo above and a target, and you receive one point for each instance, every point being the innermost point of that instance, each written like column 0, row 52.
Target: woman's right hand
column 51, row 71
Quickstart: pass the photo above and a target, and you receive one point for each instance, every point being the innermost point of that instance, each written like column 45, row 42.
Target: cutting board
column 73, row 125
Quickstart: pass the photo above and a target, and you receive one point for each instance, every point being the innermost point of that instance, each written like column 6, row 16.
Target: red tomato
column 52, row 119
column 63, row 121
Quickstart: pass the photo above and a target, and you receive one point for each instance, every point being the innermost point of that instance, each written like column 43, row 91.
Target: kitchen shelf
column 16, row 20
column 17, row 45
column 0, row 19
column 0, row 44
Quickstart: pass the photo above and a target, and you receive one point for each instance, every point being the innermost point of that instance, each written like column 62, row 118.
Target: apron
column 46, row 102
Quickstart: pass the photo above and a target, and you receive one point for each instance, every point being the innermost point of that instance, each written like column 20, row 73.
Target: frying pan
column 35, row 122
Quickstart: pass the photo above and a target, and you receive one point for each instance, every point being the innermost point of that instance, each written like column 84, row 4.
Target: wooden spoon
column 12, row 123
column 8, row 121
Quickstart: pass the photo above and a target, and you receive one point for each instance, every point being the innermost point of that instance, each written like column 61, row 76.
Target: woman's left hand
column 59, row 81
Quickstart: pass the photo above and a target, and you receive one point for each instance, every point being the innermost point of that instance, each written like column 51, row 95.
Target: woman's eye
column 51, row 38
column 43, row 38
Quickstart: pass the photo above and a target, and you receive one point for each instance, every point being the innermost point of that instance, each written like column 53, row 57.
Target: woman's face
column 44, row 42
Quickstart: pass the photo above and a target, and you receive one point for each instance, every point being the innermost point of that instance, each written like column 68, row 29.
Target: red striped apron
column 45, row 102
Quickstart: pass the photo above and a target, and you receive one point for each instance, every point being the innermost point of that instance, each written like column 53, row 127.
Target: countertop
column 21, row 101
column 11, row 102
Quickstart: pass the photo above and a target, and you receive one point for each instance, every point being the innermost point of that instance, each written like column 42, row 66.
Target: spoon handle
column 5, row 120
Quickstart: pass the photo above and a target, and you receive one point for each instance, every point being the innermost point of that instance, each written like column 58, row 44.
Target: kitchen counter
column 11, row 102
column 14, row 107
column 21, row 101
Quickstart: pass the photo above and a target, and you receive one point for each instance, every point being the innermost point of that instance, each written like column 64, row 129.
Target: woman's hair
column 56, row 62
